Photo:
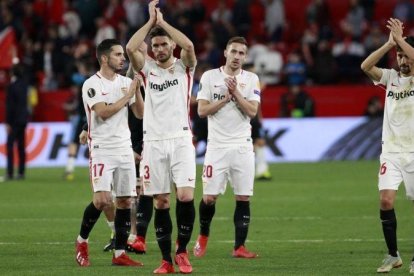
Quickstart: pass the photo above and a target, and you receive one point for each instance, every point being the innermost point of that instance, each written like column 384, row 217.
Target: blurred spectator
column 182, row 20
column 197, row 11
column 71, row 22
column 199, row 124
column 275, row 21
column 369, row 8
column 17, row 117
column 354, row 22
column 104, row 30
column 374, row 40
column 375, row 108
column 404, row 11
column 318, row 12
column 123, row 32
column 76, row 114
column 268, row 65
column 241, row 17
column 295, row 70
column 257, row 14
column 32, row 23
column 221, row 23
column 309, row 41
column 296, row 103
column 114, row 13
column 135, row 14
column 348, row 54
column 89, row 11
column 255, row 50
column 325, row 67
column 50, row 63
column 27, row 60
column 211, row 54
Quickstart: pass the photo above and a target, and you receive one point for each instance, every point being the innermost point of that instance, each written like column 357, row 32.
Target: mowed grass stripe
column 311, row 219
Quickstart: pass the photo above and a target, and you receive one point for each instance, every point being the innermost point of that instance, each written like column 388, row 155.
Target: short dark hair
column 237, row 39
column 158, row 31
column 104, row 48
column 409, row 40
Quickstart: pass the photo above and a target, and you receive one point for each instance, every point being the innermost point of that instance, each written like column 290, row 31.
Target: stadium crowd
column 55, row 40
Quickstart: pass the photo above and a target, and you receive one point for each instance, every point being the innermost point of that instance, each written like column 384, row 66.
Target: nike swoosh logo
column 152, row 74
column 104, row 94
column 190, row 179
column 392, row 84
column 217, row 86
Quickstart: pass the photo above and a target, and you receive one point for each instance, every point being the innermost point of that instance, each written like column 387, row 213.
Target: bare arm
column 248, row 107
column 137, row 59
column 206, row 108
column 135, row 42
column 187, row 47
column 106, row 111
column 368, row 65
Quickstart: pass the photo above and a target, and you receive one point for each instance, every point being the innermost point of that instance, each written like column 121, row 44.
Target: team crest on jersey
column 171, row 70
column 91, row 92
column 124, row 90
column 242, row 85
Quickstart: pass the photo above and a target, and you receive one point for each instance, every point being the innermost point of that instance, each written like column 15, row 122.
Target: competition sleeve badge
column 91, row 92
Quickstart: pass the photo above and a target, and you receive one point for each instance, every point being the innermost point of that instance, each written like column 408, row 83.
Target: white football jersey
column 167, row 100
column 398, row 124
column 229, row 125
column 112, row 134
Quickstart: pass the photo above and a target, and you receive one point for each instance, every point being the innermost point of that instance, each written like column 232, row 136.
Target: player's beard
column 405, row 69
column 165, row 58
column 114, row 67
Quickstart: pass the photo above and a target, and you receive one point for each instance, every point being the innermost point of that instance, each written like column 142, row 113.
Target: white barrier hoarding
column 46, row 145
column 289, row 140
column 292, row 140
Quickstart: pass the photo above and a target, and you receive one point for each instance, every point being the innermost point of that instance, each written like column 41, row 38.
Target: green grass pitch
column 311, row 219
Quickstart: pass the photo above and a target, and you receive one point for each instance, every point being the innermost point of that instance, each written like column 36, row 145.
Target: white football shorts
column 114, row 173
column 394, row 169
column 167, row 162
column 234, row 164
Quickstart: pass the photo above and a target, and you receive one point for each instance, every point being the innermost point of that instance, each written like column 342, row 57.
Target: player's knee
column 387, row 203
column 102, row 203
column 209, row 199
column 185, row 194
column 162, row 201
column 123, row 202
column 185, row 197
column 242, row 198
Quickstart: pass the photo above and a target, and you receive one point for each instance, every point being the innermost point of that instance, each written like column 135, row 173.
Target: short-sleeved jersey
column 229, row 125
column 398, row 123
column 167, row 99
column 111, row 135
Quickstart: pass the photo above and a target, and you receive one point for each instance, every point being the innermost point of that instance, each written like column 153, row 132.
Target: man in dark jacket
column 17, row 116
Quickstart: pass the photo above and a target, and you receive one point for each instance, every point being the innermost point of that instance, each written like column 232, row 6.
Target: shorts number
column 146, row 172
column 383, row 169
column 98, row 169
column 207, row 171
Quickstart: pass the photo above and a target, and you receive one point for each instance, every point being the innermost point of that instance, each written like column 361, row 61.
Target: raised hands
column 152, row 9
column 155, row 13
column 396, row 28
